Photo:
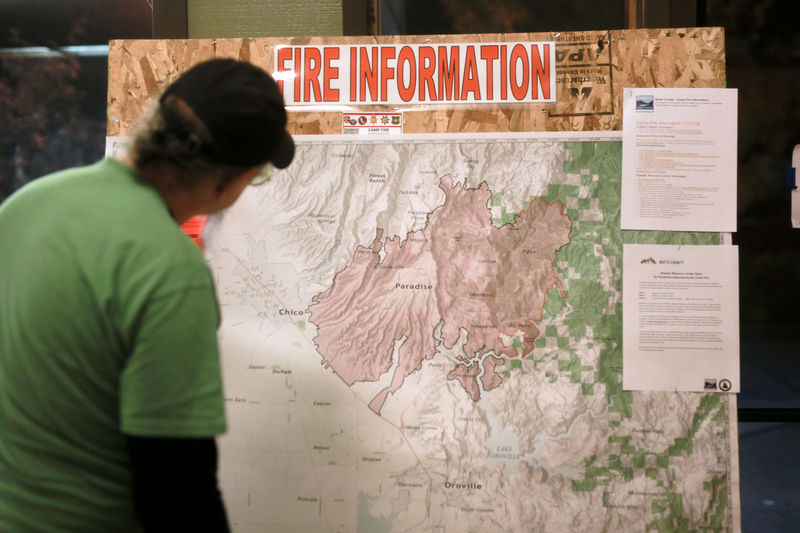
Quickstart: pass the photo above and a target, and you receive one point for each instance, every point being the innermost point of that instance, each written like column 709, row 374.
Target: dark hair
column 220, row 114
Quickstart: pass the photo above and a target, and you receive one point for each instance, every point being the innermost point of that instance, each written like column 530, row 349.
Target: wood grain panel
column 592, row 68
column 139, row 70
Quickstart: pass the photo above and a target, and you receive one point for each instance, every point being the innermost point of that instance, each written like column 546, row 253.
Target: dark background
column 53, row 110
column 52, row 115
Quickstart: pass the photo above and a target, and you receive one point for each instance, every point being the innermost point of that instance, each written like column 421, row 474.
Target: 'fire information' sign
column 489, row 73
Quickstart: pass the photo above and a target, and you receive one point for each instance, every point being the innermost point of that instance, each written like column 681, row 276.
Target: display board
column 592, row 69
column 422, row 332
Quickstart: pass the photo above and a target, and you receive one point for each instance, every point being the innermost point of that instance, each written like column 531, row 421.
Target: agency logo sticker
column 372, row 123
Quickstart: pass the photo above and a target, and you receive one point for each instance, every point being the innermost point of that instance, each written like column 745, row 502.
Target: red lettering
column 329, row 72
column 448, row 73
column 311, row 69
column 298, row 72
column 353, row 72
column 406, row 56
column 427, row 65
column 518, row 54
column 284, row 55
column 387, row 53
column 540, row 73
column 503, row 73
column 470, row 83
column 368, row 77
column 489, row 55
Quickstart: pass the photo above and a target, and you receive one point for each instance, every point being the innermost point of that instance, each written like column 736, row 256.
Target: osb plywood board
column 139, row 70
column 592, row 68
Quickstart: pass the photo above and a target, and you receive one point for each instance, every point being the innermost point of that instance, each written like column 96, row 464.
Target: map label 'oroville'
column 454, row 73
column 462, row 485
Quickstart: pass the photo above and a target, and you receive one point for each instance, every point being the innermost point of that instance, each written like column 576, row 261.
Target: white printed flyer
column 679, row 159
column 680, row 323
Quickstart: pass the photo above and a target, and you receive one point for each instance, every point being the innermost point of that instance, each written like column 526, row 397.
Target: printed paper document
column 679, row 159
column 680, row 309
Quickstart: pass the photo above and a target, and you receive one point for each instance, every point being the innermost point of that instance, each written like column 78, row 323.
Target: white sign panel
column 454, row 73
column 679, row 159
column 680, row 308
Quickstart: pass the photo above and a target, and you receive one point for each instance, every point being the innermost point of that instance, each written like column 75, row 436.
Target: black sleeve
column 175, row 485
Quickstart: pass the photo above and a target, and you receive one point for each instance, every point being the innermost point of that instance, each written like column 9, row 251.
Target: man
column 110, row 388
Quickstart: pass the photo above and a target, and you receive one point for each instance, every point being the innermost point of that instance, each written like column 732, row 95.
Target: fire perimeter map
column 424, row 334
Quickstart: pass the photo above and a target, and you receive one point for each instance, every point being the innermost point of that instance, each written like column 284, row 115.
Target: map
column 423, row 334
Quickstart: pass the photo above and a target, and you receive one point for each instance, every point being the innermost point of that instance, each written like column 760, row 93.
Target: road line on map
column 398, row 428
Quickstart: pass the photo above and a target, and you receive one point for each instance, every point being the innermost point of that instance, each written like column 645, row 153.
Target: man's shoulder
column 85, row 191
column 38, row 188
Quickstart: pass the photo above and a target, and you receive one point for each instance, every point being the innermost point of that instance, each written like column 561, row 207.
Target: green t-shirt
column 108, row 323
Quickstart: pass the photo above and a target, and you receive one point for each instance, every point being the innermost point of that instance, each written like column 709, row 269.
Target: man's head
column 221, row 116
